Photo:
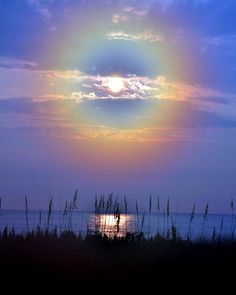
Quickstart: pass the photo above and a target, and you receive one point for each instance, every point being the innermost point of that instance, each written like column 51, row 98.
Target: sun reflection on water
column 112, row 225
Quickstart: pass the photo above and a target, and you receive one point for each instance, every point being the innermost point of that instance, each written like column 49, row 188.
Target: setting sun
column 115, row 84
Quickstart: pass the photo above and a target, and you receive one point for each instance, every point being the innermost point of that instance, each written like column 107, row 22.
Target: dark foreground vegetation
column 99, row 262
column 47, row 256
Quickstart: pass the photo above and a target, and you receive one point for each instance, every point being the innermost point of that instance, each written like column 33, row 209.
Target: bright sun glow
column 115, row 84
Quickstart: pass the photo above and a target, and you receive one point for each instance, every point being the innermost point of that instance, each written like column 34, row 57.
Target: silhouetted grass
column 190, row 222
column 158, row 213
column 98, row 258
column 26, row 213
column 204, row 220
column 118, row 211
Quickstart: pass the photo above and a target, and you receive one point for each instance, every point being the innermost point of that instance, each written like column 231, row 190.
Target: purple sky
column 129, row 97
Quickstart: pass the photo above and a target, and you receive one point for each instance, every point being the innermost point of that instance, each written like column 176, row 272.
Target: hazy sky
column 134, row 97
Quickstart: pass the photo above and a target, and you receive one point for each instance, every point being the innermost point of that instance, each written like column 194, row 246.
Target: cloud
column 78, row 96
column 137, row 11
column 129, row 14
column 41, row 8
column 219, row 41
column 187, row 29
column 214, row 99
column 89, row 87
column 118, row 18
column 71, row 76
column 47, row 96
column 126, row 120
column 145, row 36
column 52, row 96
column 17, row 81
column 47, row 85
column 133, row 87
column 120, row 113
column 15, row 63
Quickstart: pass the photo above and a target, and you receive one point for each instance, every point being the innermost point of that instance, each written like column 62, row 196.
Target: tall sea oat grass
column 168, row 216
column 204, row 220
column 137, row 214
column 158, row 214
column 190, row 222
column 232, row 218
column 149, row 215
column 49, row 212
column 26, row 213
column 126, row 212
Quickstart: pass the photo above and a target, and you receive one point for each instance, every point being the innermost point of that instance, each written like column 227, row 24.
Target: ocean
column 215, row 225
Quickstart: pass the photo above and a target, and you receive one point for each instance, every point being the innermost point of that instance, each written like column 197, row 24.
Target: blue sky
column 172, row 124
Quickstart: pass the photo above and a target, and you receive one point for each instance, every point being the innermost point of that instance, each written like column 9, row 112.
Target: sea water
column 213, row 225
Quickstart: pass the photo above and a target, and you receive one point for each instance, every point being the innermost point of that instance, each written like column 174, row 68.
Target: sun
column 115, row 84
